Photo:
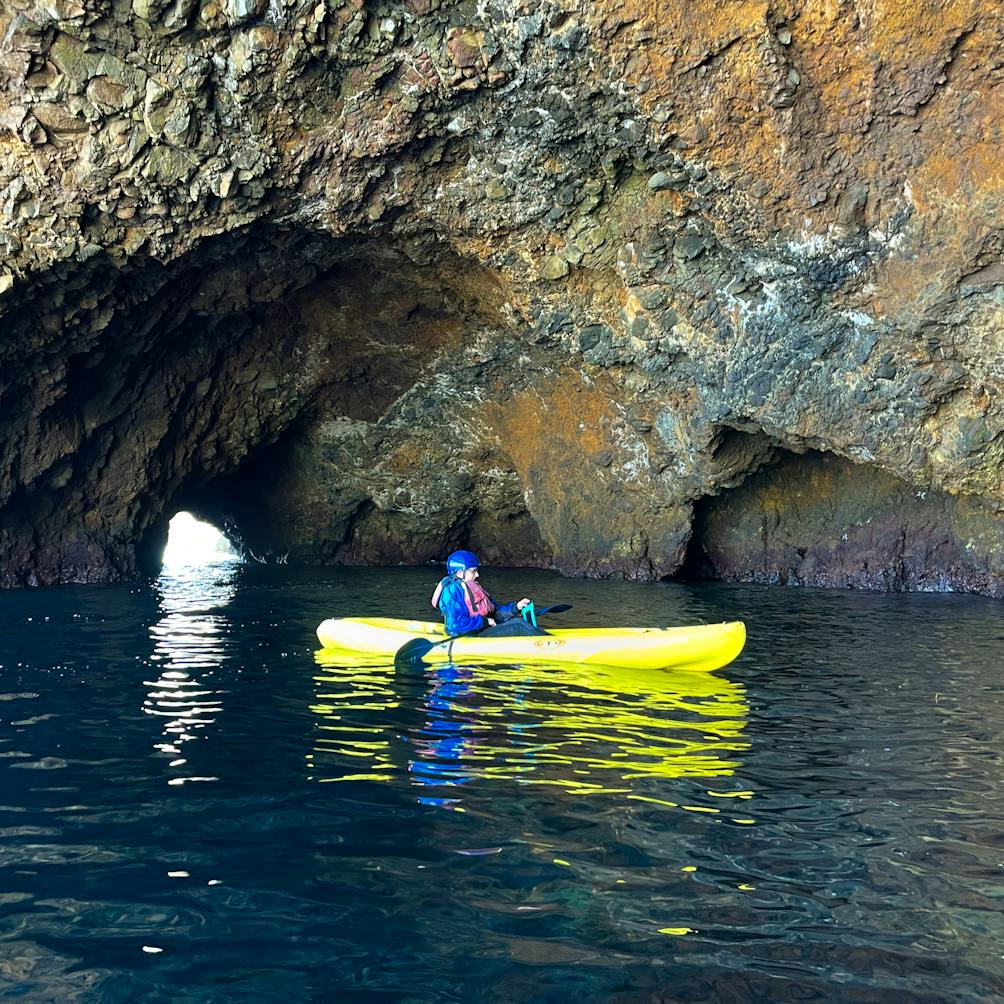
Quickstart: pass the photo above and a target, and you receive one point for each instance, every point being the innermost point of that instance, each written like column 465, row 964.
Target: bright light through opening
column 191, row 542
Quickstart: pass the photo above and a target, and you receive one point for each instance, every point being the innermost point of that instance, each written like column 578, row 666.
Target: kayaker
column 467, row 607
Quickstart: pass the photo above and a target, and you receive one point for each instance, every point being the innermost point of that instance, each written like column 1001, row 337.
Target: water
column 194, row 809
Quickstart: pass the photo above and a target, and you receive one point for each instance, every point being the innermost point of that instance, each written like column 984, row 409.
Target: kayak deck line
column 695, row 647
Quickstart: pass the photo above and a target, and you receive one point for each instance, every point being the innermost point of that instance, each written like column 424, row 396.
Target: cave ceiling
column 372, row 280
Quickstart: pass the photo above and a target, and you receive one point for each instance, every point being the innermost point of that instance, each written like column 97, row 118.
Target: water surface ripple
column 197, row 806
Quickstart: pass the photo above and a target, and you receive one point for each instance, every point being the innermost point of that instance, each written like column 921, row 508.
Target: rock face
column 368, row 280
column 821, row 521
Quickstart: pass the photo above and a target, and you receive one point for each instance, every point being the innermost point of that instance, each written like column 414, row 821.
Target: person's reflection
column 446, row 740
column 189, row 637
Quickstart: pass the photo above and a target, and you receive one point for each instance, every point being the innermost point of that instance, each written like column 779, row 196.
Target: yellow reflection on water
column 582, row 729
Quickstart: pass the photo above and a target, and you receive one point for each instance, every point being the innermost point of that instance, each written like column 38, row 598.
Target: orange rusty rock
column 464, row 46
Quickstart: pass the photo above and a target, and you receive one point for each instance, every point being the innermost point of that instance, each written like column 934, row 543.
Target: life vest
column 478, row 601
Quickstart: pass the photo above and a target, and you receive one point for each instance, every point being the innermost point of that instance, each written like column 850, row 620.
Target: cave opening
column 738, row 455
column 195, row 542
column 697, row 565
column 814, row 518
column 309, row 395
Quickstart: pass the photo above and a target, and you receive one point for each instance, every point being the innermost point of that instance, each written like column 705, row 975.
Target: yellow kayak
column 696, row 647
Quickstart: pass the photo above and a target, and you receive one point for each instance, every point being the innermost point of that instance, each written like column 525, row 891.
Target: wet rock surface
column 371, row 280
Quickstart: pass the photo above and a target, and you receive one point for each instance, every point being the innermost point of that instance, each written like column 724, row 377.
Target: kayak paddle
column 418, row 648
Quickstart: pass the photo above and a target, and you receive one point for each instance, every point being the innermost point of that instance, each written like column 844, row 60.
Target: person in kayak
column 467, row 608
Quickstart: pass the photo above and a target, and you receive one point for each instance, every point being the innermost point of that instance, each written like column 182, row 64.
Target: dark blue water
column 192, row 808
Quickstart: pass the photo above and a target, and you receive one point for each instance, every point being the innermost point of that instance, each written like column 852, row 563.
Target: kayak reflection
column 583, row 729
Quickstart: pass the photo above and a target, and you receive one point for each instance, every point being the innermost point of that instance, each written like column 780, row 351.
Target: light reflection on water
column 586, row 730
column 189, row 644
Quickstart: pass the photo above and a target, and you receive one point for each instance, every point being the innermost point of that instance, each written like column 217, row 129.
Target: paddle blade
column 558, row 608
column 412, row 651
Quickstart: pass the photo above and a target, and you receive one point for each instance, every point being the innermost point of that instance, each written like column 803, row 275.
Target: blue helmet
column 460, row 561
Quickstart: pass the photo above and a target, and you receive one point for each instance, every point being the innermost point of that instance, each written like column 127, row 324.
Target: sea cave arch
column 131, row 391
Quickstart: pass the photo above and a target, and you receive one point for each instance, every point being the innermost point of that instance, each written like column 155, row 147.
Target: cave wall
column 530, row 275
column 818, row 520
